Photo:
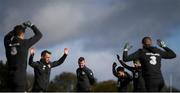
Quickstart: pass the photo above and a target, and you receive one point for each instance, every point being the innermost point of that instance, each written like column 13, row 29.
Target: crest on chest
column 46, row 67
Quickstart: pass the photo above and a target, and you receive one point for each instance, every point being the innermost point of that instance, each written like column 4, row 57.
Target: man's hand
column 114, row 64
column 66, row 51
column 28, row 24
column 127, row 47
column 161, row 43
column 32, row 51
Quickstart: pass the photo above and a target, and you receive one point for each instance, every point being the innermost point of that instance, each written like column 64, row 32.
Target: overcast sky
column 96, row 29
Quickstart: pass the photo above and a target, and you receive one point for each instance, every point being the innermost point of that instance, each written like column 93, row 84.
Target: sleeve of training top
column 168, row 53
column 59, row 62
column 31, row 63
column 114, row 71
column 36, row 37
column 126, row 66
column 7, row 38
column 130, row 57
column 77, row 73
column 90, row 76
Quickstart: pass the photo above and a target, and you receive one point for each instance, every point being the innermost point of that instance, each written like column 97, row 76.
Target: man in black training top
column 85, row 77
column 138, row 80
column 42, row 69
column 16, row 52
column 123, row 78
column 150, row 58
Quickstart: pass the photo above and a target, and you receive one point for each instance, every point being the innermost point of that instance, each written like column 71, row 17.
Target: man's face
column 21, row 35
column 81, row 64
column 137, row 65
column 148, row 42
column 46, row 57
column 120, row 73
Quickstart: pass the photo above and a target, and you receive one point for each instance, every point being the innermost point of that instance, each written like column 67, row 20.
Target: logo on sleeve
column 91, row 74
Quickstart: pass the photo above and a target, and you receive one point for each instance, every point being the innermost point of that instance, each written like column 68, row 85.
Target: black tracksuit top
column 42, row 72
column 123, row 82
column 17, row 52
column 138, row 80
column 85, row 79
column 150, row 59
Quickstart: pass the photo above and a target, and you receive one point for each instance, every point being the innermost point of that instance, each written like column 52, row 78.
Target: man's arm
column 31, row 63
column 8, row 37
column 77, row 73
column 36, row 37
column 90, row 76
column 130, row 57
column 114, row 69
column 61, row 60
column 168, row 53
column 124, row 65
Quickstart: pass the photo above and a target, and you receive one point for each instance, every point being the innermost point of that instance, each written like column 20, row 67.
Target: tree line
column 66, row 82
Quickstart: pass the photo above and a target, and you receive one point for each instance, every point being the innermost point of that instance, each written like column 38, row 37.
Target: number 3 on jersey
column 153, row 60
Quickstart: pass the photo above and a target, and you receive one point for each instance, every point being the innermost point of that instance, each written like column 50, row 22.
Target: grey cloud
column 136, row 20
column 101, row 24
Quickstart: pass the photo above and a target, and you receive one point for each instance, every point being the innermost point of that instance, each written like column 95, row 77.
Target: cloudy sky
column 96, row 29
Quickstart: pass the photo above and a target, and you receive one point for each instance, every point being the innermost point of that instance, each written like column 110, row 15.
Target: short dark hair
column 81, row 59
column 44, row 52
column 18, row 29
column 145, row 38
column 120, row 68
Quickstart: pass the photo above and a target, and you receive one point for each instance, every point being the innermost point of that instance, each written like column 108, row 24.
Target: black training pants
column 154, row 84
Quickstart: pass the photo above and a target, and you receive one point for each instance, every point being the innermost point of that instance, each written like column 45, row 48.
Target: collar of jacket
column 42, row 61
column 83, row 68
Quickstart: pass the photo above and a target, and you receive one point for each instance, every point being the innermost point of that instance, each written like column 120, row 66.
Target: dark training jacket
column 85, row 79
column 42, row 72
column 138, row 80
column 150, row 59
column 16, row 53
column 123, row 82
